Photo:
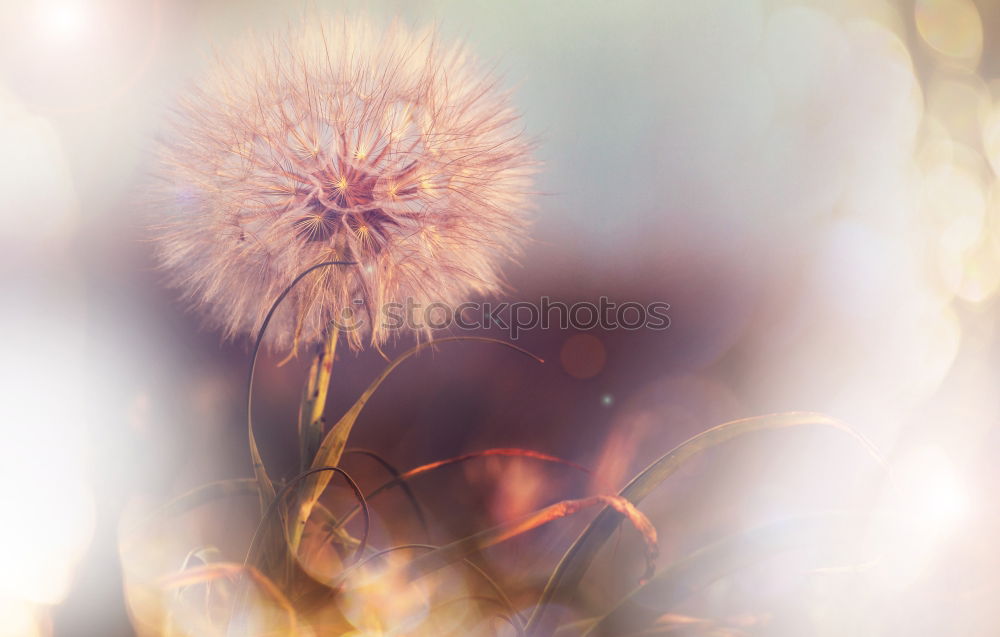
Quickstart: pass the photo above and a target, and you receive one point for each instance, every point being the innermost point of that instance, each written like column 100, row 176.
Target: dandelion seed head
column 340, row 140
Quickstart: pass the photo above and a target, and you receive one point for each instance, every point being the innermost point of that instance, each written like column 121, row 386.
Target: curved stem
column 265, row 486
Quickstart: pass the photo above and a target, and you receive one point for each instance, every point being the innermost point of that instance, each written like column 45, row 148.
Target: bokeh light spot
column 991, row 138
column 951, row 27
column 583, row 356
column 62, row 21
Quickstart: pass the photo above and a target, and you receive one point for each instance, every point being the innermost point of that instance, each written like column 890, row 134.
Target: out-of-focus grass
column 280, row 588
column 574, row 564
column 280, row 574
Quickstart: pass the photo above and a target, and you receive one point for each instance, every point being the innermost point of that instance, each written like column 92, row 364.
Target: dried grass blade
column 681, row 579
column 431, row 466
column 210, row 572
column 578, row 558
column 464, row 547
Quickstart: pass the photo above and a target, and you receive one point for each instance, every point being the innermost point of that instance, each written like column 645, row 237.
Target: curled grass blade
column 475, row 543
column 397, row 478
column 332, row 447
column 685, row 577
column 498, row 451
column 402, row 478
column 210, row 572
column 578, row 558
column 276, row 556
column 273, row 508
column 266, row 490
column 341, row 538
column 204, row 554
column 676, row 625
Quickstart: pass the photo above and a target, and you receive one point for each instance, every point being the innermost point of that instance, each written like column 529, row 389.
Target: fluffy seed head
column 340, row 141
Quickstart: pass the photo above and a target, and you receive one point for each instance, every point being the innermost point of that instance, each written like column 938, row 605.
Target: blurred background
column 812, row 187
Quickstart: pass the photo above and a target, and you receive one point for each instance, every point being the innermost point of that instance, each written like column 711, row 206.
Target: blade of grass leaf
column 328, row 522
column 431, row 466
column 464, row 547
column 685, row 577
column 578, row 558
column 209, row 572
column 281, row 559
column 397, row 477
column 274, row 507
column 204, row 554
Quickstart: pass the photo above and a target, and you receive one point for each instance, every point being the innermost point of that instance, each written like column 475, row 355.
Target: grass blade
column 272, row 514
column 402, row 479
column 460, row 549
column 228, row 570
column 578, row 558
column 397, row 478
column 678, row 581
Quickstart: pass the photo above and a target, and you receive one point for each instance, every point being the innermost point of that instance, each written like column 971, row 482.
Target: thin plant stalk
column 311, row 421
